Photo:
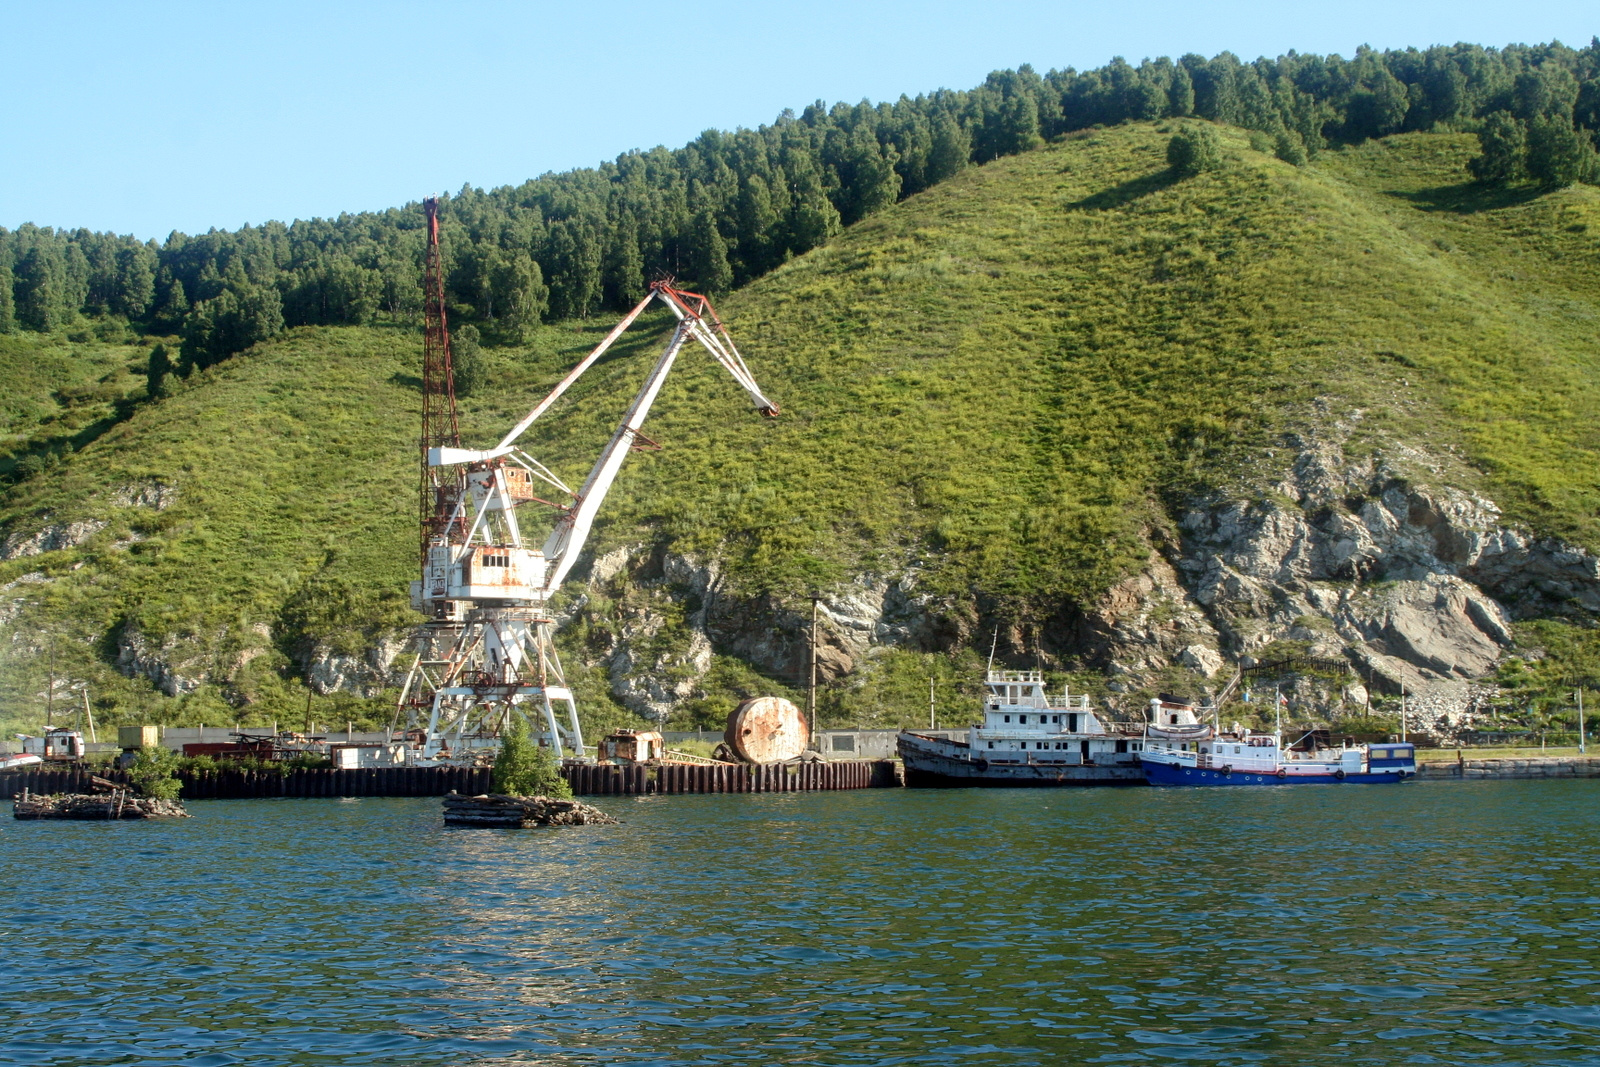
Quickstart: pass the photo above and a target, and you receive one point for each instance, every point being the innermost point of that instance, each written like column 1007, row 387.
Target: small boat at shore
column 1028, row 738
column 1196, row 754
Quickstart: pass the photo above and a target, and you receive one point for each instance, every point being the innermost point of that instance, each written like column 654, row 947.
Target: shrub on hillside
column 1560, row 154
column 466, row 361
column 1291, row 149
column 1194, row 149
column 1502, row 141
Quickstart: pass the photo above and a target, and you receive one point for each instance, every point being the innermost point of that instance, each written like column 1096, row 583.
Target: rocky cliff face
column 1375, row 561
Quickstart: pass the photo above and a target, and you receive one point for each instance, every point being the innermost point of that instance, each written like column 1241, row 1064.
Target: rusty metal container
column 766, row 730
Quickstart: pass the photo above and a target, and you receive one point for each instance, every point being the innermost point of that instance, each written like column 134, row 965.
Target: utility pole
column 50, row 692
column 1402, row 708
column 89, row 713
column 811, row 684
column 932, row 724
column 1582, row 746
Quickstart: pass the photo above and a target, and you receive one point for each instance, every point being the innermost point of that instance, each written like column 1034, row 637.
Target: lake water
column 1437, row 923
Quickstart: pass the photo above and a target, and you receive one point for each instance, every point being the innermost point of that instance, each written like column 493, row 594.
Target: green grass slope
column 1003, row 383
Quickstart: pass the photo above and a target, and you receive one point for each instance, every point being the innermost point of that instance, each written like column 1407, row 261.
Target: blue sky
column 147, row 117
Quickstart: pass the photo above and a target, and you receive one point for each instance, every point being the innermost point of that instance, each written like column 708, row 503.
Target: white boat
column 1028, row 737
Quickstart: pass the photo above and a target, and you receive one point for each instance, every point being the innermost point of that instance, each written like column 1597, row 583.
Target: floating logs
column 115, row 805
column 497, row 809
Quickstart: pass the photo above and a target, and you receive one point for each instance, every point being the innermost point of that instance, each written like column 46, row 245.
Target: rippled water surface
column 1424, row 923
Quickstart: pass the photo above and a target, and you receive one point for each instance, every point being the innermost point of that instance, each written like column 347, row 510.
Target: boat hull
column 954, row 768
column 1172, row 774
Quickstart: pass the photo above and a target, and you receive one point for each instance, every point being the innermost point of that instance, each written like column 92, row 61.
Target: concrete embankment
column 1512, row 767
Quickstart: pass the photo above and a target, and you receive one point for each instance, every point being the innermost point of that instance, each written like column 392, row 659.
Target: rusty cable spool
column 766, row 730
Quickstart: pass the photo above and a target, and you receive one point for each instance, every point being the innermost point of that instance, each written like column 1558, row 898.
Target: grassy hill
column 1004, row 383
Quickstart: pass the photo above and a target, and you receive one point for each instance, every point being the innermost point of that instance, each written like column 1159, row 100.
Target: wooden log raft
column 118, row 804
column 496, row 809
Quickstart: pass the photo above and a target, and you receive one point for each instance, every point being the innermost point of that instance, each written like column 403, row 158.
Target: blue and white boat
column 1192, row 753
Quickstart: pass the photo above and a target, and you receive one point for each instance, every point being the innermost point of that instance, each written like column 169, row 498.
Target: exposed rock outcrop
column 52, row 537
column 157, row 496
column 368, row 673
column 11, row 606
column 670, row 612
column 174, row 665
column 1413, row 582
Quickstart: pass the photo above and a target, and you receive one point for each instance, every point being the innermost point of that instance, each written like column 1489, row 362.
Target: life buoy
column 1282, row 773
column 1339, row 774
column 1227, row 769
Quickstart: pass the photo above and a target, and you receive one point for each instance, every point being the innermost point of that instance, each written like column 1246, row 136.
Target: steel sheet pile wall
column 230, row 784
column 48, row 780
column 604, row 780
column 226, row 783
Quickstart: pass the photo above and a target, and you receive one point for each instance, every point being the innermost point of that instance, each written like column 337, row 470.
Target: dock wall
column 1532, row 767
column 586, row 780
column 602, row 779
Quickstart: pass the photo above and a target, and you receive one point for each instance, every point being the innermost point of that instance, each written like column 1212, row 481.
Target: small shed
column 632, row 746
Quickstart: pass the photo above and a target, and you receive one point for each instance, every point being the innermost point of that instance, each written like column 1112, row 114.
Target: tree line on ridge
column 728, row 207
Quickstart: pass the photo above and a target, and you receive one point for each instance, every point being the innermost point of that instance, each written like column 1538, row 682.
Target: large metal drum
column 766, row 730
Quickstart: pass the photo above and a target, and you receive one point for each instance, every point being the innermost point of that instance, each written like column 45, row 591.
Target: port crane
column 487, row 650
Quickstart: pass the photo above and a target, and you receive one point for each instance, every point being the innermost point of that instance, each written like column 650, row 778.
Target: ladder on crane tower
column 488, row 651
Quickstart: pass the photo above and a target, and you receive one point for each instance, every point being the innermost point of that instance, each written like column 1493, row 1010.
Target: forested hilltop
column 730, row 206
column 1151, row 398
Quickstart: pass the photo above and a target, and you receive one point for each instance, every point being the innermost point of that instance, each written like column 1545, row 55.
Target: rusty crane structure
column 487, row 651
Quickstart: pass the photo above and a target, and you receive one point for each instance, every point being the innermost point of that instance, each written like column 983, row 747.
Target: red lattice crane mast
column 440, row 486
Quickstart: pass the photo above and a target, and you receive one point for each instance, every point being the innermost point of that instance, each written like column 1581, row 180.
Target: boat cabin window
column 1008, row 718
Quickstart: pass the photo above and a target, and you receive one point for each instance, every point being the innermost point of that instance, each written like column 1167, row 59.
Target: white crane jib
column 491, row 591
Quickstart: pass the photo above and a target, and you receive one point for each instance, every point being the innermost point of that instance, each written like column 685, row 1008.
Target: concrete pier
column 1511, row 767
